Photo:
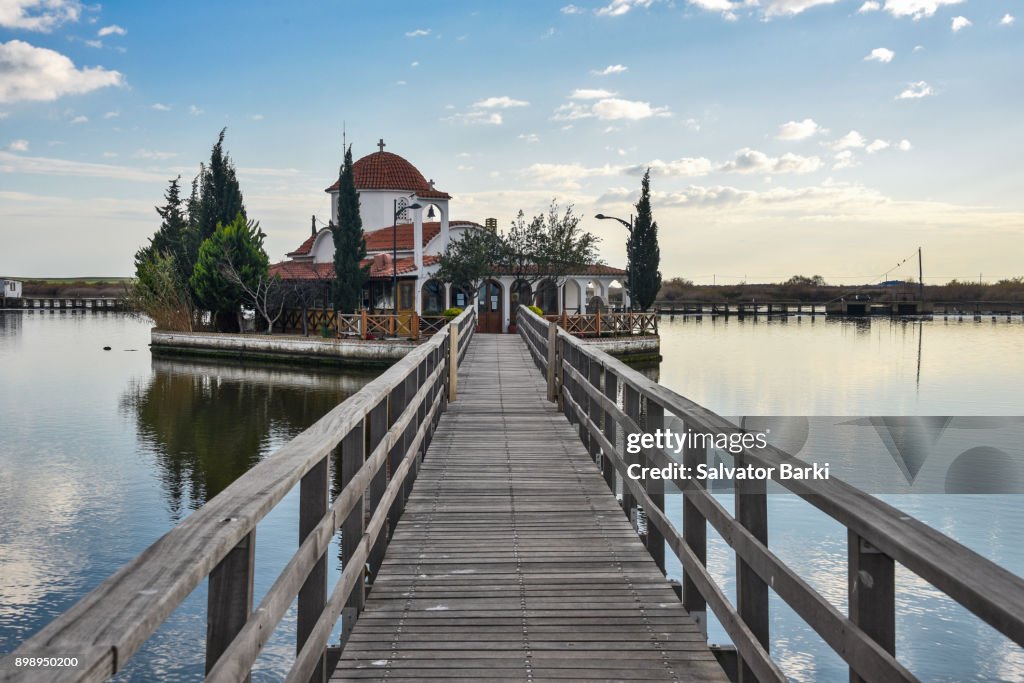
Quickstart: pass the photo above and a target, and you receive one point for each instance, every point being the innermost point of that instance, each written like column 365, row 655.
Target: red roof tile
column 387, row 171
column 379, row 268
column 306, row 246
column 381, row 240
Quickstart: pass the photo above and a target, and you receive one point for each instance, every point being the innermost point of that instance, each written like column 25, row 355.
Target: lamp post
column 629, row 250
column 394, row 253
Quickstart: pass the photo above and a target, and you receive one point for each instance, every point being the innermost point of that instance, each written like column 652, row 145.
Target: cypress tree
column 643, row 251
column 220, row 197
column 349, row 243
column 171, row 239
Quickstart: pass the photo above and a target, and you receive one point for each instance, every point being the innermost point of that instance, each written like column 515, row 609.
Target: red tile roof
column 381, row 240
column 306, row 246
column 379, row 268
column 387, row 171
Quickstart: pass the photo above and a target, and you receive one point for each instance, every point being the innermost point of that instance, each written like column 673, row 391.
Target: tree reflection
column 206, row 424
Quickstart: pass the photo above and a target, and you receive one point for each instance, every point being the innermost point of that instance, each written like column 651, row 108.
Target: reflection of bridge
column 62, row 303
column 480, row 541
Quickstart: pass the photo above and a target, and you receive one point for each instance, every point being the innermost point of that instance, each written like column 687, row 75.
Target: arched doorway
column 547, row 297
column 432, row 297
column 488, row 307
column 521, row 294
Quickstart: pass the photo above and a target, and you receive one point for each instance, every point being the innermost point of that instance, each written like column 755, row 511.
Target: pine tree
column 643, row 251
column 349, row 243
column 171, row 239
column 220, row 197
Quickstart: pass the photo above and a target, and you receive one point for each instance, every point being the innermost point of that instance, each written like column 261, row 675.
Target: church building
column 404, row 247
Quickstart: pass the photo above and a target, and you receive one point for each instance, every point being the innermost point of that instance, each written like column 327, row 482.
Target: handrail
column 588, row 384
column 389, row 421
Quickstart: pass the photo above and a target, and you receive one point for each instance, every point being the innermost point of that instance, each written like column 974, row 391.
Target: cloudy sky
column 783, row 136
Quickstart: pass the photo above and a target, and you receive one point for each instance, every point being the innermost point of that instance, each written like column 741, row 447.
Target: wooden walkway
column 512, row 560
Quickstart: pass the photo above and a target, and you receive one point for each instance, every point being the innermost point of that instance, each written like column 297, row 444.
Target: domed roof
column 386, row 171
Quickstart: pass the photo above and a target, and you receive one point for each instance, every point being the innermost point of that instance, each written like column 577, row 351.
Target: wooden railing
column 607, row 324
column 608, row 400
column 379, row 434
column 363, row 325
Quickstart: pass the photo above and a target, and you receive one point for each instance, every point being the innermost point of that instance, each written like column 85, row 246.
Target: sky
column 784, row 137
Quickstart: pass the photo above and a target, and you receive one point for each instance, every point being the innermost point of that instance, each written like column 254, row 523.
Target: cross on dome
column 381, row 144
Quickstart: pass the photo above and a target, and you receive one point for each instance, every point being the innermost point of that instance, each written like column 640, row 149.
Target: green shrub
column 537, row 310
column 452, row 312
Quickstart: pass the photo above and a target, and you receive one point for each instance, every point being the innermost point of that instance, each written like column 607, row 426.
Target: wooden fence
column 363, row 324
column 608, row 401
column 607, row 324
column 380, row 434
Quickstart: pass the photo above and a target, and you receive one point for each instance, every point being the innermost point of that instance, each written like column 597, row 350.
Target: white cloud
column 789, row 8
column 194, row 110
column 158, row 106
column 417, row 33
column 4, row 115
column 752, row 161
column 529, row 137
column 111, row 114
column 844, row 160
column 256, row 117
column 18, row 146
column 619, row 7
column 877, row 145
column 960, row 23
column 614, row 109
column 38, row 15
column 1007, row 20
column 687, row 167
column 112, row 30
column 726, row 7
column 915, row 91
column 590, row 94
column 400, row 83
column 477, row 117
column 36, row 73
column 503, row 102
column 414, row 64
column 14, row 163
column 905, row 145
column 852, row 140
column 612, row 69
column 869, row 6
column 571, row 9
column 94, row 43
column 80, row 119
column 154, row 155
column 798, row 130
column 110, row 155
column 916, row 9
column 880, row 54
column 567, row 175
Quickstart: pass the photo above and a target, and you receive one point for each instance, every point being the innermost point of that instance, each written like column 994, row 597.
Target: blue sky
column 784, row 136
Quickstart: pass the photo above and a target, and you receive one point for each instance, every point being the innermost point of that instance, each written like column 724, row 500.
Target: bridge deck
column 512, row 560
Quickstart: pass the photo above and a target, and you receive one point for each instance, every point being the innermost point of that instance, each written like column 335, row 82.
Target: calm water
column 101, row 452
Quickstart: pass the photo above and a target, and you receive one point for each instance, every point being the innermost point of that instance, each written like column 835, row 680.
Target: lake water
column 101, row 452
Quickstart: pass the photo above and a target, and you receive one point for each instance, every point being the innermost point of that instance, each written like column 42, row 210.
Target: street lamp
column 629, row 249
column 394, row 253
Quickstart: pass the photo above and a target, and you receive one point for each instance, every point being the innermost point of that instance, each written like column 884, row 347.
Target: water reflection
column 206, row 424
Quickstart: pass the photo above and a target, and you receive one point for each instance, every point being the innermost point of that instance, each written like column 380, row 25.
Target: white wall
column 323, row 247
column 10, row 289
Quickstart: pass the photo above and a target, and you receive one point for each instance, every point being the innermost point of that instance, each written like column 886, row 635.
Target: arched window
column 522, row 295
column 432, row 297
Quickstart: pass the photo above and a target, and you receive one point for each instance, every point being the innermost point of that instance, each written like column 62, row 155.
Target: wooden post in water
column 314, row 499
column 352, row 454
column 872, row 598
column 751, row 591
column 453, row 361
column 552, row 361
column 229, row 600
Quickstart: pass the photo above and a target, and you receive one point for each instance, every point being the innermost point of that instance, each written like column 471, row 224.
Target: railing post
column 655, row 420
column 415, row 325
column 596, row 370
column 352, row 455
column 751, row 591
column 552, row 360
column 362, row 325
column 598, row 323
column 314, row 494
column 559, row 372
column 397, row 401
column 695, row 533
column 872, row 599
column 453, row 361
column 229, row 600
column 630, row 406
column 378, row 428
column 611, row 392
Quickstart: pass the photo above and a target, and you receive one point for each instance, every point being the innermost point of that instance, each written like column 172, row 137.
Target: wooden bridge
column 482, row 540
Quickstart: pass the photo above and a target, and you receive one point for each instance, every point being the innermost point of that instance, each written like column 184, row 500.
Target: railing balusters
column 695, row 533
column 314, row 495
column 631, row 407
column 595, row 412
column 353, row 454
column 872, row 597
column 654, row 419
column 229, row 600
column 751, row 590
column 611, row 390
column 378, row 427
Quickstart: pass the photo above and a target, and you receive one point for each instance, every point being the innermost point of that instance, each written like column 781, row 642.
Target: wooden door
column 489, row 307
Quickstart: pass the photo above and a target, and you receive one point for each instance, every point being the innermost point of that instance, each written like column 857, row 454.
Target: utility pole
column 920, row 276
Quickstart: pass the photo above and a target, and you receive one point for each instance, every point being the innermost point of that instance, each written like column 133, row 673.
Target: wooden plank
column 512, row 559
